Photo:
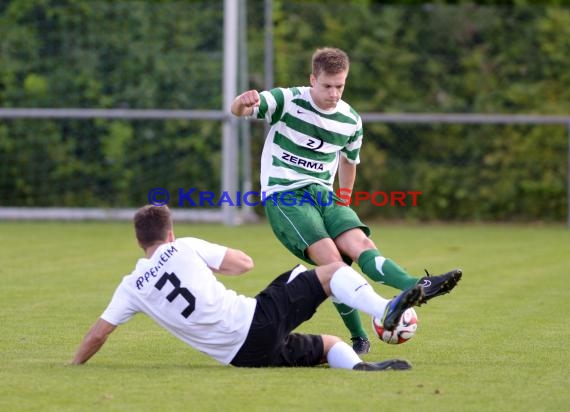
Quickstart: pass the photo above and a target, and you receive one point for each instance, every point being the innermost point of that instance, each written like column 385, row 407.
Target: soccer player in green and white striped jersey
column 314, row 134
column 304, row 144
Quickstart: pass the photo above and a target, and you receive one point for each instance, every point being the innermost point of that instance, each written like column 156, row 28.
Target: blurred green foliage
column 512, row 58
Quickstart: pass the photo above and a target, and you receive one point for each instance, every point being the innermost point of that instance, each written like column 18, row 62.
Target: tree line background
column 405, row 58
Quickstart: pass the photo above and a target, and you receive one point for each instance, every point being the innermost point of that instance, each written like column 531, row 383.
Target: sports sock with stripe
column 383, row 270
column 351, row 319
column 349, row 287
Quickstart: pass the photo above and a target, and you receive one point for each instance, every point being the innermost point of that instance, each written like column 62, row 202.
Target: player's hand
column 249, row 99
column 244, row 103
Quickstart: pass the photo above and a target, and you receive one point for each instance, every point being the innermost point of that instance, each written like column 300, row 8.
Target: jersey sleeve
column 211, row 253
column 120, row 309
column 271, row 105
column 352, row 148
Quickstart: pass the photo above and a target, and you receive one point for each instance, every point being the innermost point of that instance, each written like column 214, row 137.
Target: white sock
column 348, row 286
column 341, row 355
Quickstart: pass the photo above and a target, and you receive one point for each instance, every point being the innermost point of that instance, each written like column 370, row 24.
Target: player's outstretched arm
column 244, row 103
column 235, row 262
column 93, row 341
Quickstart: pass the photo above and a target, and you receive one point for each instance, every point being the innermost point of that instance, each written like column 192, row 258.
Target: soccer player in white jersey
column 174, row 284
column 313, row 134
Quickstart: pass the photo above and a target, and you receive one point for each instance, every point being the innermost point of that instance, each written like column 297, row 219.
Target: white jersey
column 304, row 143
column 177, row 288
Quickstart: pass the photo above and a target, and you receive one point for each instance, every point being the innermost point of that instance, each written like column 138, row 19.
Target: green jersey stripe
column 339, row 117
column 279, row 99
column 356, row 136
column 351, row 154
column 310, row 129
column 354, row 145
column 263, row 106
column 276, row 181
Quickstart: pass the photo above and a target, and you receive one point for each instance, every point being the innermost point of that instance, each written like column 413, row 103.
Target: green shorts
column 301, row 217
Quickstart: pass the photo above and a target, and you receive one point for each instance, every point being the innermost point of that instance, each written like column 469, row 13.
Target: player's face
column 326, row 89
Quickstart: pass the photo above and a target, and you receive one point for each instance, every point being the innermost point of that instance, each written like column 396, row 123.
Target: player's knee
column 324, row 252
column 353, row 242
column 330, row 269
column 368, row 244
column 329, row 341
column 325, row 274
column 362, row 244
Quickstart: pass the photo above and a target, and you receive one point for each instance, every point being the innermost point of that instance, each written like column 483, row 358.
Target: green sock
column 351, row 319
column 383, row 270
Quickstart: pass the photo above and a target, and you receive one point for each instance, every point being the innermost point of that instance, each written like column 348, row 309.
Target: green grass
column 499, row 342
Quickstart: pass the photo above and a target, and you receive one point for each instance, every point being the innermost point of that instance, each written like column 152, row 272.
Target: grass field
column 499, row 342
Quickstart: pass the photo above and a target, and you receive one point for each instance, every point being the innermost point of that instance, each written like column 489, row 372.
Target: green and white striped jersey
column 304, row 143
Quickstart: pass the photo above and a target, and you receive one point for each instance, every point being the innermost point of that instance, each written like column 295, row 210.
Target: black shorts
column 282, row 307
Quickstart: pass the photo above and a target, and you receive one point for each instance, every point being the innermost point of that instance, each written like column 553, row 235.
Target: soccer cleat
column 440, row 284
column 360, row 345
column 392, row 364
column 397, row 306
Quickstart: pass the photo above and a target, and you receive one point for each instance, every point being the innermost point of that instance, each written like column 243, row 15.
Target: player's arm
column 244, row 103
column 235, row 262
column 93, row 341
column 346, row 174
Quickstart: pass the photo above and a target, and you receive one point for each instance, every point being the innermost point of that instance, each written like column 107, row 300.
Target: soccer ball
column 404, row 331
